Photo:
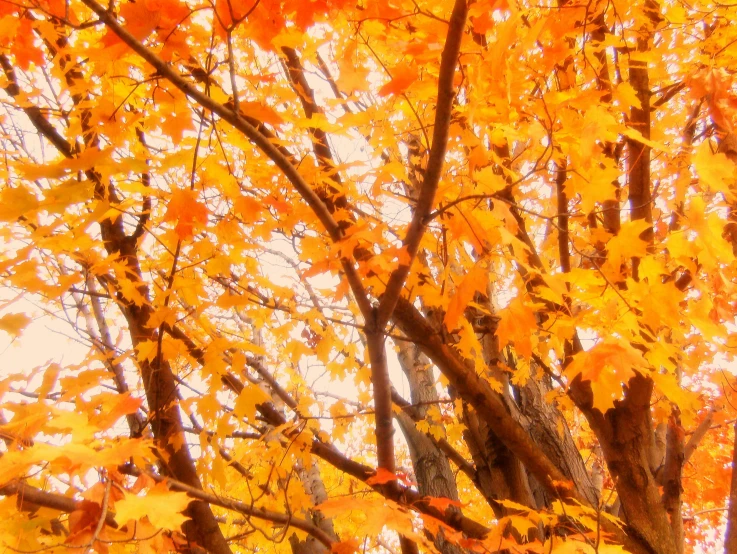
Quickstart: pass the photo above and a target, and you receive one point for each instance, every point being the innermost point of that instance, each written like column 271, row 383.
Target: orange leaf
column 475, row 281
column 381, row 477
column 247, row 209
column 345, row 547
column 186, row 211
column 607, row 365
column 516, row 324
column 14, row 323
column 402, row 77
column 262, row 112
column 442, row 503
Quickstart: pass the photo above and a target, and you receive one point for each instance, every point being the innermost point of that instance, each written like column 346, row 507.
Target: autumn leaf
column 441, row 503
column 184, row 208
column 345, row 547
column 715, row 170
column 248, row 400
column 226, row 287
column 14, row 323
column 248, row 209
column 628, row 243
column 381, row 477
column 475, row 281
column 261, row 112
column 16, row 202
column 607, row 366
column 516, row 323
column 86, row 160
column 402, row 77
column 162, row 507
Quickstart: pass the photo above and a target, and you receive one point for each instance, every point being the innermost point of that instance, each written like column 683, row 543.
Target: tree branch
column 273, row 152
column 443, row 112
column 30, row 498
column 287, row 520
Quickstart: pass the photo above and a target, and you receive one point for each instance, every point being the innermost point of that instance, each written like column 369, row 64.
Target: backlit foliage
column 254, row 212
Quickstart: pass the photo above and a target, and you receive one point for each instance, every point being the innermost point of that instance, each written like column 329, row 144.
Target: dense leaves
column 457, row 276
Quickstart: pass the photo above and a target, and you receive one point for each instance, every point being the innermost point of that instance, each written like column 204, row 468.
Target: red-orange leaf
column 381, row 477
column 186, row 211
column 403, row 76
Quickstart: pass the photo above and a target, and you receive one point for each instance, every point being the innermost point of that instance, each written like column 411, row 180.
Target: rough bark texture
column 730, row 539
column 315, row 489
column 430, row 465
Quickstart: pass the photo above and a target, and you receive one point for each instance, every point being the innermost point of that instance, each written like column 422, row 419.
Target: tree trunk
column 431, row 466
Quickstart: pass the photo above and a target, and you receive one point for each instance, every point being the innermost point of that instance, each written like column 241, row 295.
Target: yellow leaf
column 162, row 507
column 489, row 179
column 715, row 170
column 636, row 135
column 249, row 398
column 627, row 244
column 16, row 202
column 625, row 95
column 84, row 161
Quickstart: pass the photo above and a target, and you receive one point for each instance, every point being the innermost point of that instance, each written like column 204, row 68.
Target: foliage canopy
column 452, row 276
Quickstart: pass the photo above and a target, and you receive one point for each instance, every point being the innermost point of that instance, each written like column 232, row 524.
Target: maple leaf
column 402, row 77
column 261, row 112
column 16, row 202
column 608, row 365
column 14, row 323
column 515, row 324
column 514, row 178
column 441, row 503
column 162, row 507
column 628, row 243
column 184, row 208
column 475, row 281
column 716, row 170
column 248, row 400
column 381, row 477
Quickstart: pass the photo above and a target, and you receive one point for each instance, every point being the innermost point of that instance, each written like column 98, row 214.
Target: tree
column 506, row 230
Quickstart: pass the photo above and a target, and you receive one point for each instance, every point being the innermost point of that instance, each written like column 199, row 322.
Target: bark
column 548, row 429
column 436, row 159
column 730, row 539
column 543, row 425
column 502, row 475
column 672, row 476
column 728, row 145
column 639, row 153
column 610, row 208
column 431, row 466
column 625, row 436
column 315, row 489
column 476, row 391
